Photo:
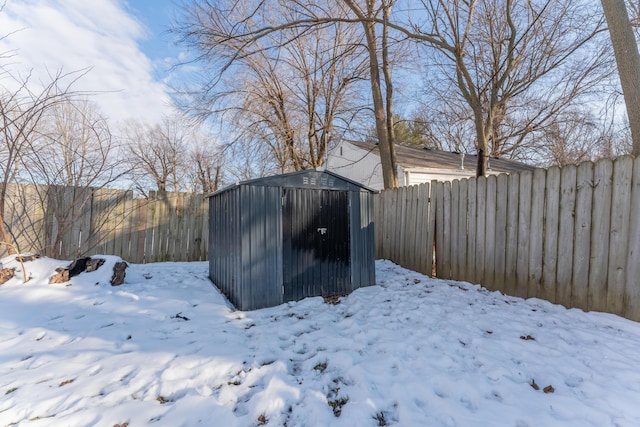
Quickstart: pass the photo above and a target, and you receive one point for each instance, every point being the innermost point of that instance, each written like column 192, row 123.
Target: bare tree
column 157, row 153
column 625, row 48
column 205, row 165
column 368, row 15
column 438, row 126
column 248, row 160
column 228, row 33
column 573, row 137
column 71, row 154
column 208, row 171
column 74, row 147
column 291, row 91
column 22, row 109
column 633, row 9
column 328, row 62
column 513, row 64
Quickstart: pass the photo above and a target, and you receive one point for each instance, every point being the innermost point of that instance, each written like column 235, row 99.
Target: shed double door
column 316, row 250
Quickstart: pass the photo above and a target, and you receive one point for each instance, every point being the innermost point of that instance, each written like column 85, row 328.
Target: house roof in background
column 409, row 156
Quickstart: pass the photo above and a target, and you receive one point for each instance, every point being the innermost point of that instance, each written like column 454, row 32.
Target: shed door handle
column 322, row 230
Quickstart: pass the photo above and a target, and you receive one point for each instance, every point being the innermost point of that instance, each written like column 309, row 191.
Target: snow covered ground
column 165, row 349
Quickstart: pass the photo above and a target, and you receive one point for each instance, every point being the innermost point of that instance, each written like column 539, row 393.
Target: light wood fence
column 67, row 222
column 569, row 235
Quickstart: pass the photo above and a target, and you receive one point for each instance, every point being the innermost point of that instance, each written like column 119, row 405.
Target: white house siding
column 363, row 166
column 357, row 164
column 418, row 176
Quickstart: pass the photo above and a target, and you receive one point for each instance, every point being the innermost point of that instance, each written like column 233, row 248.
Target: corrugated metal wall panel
column 261, row 247
column 362, row 240
column 224, row 242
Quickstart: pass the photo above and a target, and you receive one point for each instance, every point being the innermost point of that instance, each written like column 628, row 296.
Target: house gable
column 359, row 163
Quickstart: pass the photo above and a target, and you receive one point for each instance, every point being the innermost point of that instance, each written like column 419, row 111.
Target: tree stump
column 79, row 265
column 61, row 276
column 118, row 273
column 93, row 264
column 27, row 258
column 6, row 274
column 89, row 265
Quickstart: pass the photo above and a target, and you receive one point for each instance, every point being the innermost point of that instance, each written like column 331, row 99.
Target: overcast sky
column 124, row 43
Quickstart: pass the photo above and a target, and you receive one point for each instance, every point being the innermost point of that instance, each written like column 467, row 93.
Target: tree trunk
column 4, row 234
column 6, row 239
column 625, row 49
column 385, row 138
column 482, row 142
column 386, row 69
column 389, row 172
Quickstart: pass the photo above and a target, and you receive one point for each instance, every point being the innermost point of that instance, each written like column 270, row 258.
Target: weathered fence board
column 619, row 232
column 411, row 214
column 419, row 242
column 552, row 221
column 524, row 229
column 600, row 226
column 490, row 229
column 454, row 241
column 511, row 252
column 565, row 235
column 501, row 232
column 462, row 229
column 570, row 235
column 472, row 228
column 433, row 234
column 582, row 236
column 481, row 206
column 630, row 306
column 437, row 190
column 536, row 239
column 446, row 227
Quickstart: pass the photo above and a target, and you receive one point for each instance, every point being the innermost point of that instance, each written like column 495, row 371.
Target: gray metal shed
column 286, row 237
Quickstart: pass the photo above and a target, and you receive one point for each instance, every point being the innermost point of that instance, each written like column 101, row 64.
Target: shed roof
column 409, row 156
column 310, row 178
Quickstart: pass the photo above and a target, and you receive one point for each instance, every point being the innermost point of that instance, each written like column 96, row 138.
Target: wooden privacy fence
column 569, row 235
column 67, row 222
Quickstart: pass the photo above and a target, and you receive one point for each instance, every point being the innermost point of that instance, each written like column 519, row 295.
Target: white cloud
column 49, row 35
